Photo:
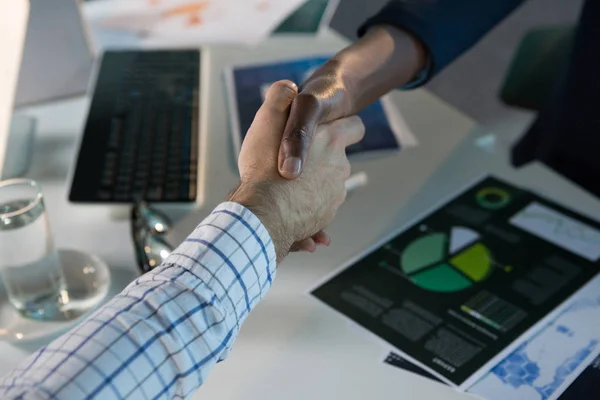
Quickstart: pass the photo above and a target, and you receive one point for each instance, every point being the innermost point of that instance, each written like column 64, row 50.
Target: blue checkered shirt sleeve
column 160, row 337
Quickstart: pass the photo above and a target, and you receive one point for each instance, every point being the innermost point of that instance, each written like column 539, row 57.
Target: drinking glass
column 29, row 264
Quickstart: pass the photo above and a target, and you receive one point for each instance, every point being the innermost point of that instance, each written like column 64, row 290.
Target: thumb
column 305, row 115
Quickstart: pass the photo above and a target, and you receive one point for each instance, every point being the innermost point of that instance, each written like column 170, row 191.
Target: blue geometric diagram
column 517, row 369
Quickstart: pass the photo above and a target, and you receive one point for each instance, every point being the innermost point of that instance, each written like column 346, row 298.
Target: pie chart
column 447, row 262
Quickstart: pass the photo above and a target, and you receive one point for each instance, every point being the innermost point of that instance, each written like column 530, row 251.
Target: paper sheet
column 586, row 386
column 545, row 365
column 155, row 22
column 461, row 289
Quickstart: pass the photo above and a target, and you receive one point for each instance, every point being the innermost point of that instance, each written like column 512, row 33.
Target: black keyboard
column 141, row 136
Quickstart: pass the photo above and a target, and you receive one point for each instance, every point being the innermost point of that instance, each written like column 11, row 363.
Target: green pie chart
column 447, row 262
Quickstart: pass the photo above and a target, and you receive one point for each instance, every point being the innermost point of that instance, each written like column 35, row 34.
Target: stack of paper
column 544, row 366
column 495, row 292
column 156, row 22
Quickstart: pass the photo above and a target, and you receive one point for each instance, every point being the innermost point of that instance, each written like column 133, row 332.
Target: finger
column 351, row 130
column 321, row 238
column 280, row 96
column 272, row 116
column 304, row 116
column 307, row 245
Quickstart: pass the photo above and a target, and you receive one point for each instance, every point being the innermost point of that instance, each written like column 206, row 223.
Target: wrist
column 413, row 51
column 386, row 57
column 341, row 66
column 259, row 199
column 333, row 87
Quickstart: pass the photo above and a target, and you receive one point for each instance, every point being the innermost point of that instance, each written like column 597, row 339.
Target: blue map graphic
column 518, row 370
column 543, row 366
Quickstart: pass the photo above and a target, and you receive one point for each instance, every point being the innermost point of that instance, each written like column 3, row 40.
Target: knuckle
column 347, row 170
column 336, row 139
column 342, row 124
column 340, row 171
column 312, row 104
column 300, row 133
column 343, row 195
column 361, row 125
column 341, row 198
column 338, row 190
column 309, row 99
column 336, row 127
column 336, row 133
column 349, row 124
column 356, row 120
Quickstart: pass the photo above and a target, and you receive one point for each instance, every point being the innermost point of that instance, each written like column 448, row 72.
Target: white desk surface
column 292, row 346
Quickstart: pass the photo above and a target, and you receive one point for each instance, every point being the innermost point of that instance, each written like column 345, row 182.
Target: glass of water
column 29, row 264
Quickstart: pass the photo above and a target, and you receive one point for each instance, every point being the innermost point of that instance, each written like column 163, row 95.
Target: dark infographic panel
column 457, row 287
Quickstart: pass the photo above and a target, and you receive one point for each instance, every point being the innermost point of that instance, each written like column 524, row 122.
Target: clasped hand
column 295, row 212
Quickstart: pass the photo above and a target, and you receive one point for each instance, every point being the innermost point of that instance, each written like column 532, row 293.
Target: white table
column 292, row 346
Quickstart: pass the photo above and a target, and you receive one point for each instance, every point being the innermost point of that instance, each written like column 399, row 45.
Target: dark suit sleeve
column 447, row 28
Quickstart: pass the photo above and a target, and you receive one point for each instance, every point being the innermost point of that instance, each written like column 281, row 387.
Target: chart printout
column 454, row 290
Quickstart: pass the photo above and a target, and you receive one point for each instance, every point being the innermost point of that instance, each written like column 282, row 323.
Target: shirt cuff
column 421, row 78
column 233, row 254
column 387, row 18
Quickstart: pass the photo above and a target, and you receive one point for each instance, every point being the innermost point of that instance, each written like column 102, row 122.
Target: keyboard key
column 154, row 193
column 123, row 180
column 104, row 195
column 111, row 157
column 170, row 177
column 115, row 133
column 122, row 197
column 172, row 195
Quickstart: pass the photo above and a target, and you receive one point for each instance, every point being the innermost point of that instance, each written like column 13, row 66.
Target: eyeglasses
column 148, row 230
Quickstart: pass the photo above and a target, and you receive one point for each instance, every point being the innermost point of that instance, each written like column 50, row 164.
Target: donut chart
column 493, row 198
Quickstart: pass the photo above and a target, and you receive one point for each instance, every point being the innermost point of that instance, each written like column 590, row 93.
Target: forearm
column 446, row 28
column 384, row 59
column 164, row 333
column 403, row 40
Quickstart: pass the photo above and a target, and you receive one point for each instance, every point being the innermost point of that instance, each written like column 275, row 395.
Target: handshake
column 295, row 208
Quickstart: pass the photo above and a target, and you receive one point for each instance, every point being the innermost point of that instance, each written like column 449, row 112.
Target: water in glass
column 29, row 264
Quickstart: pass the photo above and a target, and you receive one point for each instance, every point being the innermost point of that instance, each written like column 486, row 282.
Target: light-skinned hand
column 295, row 212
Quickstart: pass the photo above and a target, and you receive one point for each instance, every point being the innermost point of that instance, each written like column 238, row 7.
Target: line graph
column 566, row 229
column 560, row 230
